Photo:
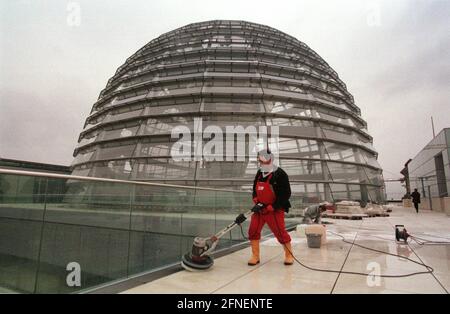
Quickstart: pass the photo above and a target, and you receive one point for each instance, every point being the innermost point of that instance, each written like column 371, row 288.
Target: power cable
column 422, row 241
column 429, row 270
column 242, row 233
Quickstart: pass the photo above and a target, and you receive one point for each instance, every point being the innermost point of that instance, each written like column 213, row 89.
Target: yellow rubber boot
column 288, row 257
column 255, row 253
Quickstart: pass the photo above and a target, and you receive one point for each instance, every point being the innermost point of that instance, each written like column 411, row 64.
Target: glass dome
column 230, row 74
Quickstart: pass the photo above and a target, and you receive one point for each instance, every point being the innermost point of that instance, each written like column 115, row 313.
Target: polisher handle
column 214, row 240
column 222, row 232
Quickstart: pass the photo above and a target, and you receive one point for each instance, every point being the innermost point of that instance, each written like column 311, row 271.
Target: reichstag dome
column 230, row 73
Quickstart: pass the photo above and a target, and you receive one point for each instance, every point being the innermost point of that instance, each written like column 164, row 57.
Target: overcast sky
column 394, row 57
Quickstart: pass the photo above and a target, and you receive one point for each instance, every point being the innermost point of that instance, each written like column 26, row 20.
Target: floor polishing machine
column 199, row 257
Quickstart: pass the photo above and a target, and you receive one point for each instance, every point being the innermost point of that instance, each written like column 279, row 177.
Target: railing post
column 429, row 197
column 38, row 260
column 132, row 196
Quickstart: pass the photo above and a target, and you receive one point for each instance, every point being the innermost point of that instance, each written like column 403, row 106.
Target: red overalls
column 275, row 219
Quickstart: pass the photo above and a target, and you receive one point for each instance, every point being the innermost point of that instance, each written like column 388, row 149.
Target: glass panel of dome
column 304, row 169
column 164, row 169
column 233, row 107
column 233, row 120
column 230, row 99
column 81, row 171
column 129, row 95
column 116, row 152
column 373, row 176
column 329, row 131
column 83, row 157
column 341, row 152
column 354, row 191
column 123, row 132
column 141, row 95
column 244, row 83
column 339, row 192
column 332, row 103
column 124, row 115
column 88, row 139
column 345, row 172
column 314, row 192
column 136, row 81
column 369, row 159
column 293, row 88
column 164, row 125
column 94, row 121
column 299, row 147
column 289, row 122
column 375, row 194
column 361, row 140
column 217, row 82
column 174, row 109
column 289, row 109
column 226, row 170
column 334, row 118
column 269, row 84
column 154, row 149
column 174, row 101
column 119, row 169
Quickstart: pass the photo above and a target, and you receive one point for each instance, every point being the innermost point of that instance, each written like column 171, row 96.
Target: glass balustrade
column 111, row 229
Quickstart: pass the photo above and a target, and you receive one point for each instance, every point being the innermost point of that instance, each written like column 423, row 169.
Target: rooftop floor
column 230, row 274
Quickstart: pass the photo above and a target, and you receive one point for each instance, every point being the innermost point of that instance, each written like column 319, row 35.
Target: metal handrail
column 81, row 178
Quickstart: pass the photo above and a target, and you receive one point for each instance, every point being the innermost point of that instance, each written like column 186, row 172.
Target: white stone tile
column 231, row 274
column 359, row 284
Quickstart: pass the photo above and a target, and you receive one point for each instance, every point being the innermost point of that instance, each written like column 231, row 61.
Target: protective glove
column 240, row 219
column 257, row 208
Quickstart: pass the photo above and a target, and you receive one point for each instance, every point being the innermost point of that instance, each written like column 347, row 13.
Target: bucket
column 300, row 230
column 317, row 229
column 314, row 240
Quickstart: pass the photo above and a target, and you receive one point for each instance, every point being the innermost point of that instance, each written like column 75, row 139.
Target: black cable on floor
column 435, row 236
column 242, row 233
column 422, row 241
column 429, row 268
column 415, row 238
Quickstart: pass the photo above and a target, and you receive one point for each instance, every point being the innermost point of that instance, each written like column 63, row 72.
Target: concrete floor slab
column 231, row 274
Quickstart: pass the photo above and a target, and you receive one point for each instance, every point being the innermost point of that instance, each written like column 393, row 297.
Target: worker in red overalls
column 272, row 189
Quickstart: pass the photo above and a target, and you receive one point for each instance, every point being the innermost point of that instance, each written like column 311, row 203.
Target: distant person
column 416, row 199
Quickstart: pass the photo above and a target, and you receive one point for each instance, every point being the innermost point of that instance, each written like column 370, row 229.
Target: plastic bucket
column 314, row 240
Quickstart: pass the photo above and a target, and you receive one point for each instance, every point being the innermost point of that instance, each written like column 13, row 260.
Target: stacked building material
column 348, row 207
column 375, row 210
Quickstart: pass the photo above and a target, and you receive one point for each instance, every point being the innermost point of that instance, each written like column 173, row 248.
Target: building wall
column 423, row 173
column 30, row 189
column 446, row 202
column 33, row 166
column 447, row 158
